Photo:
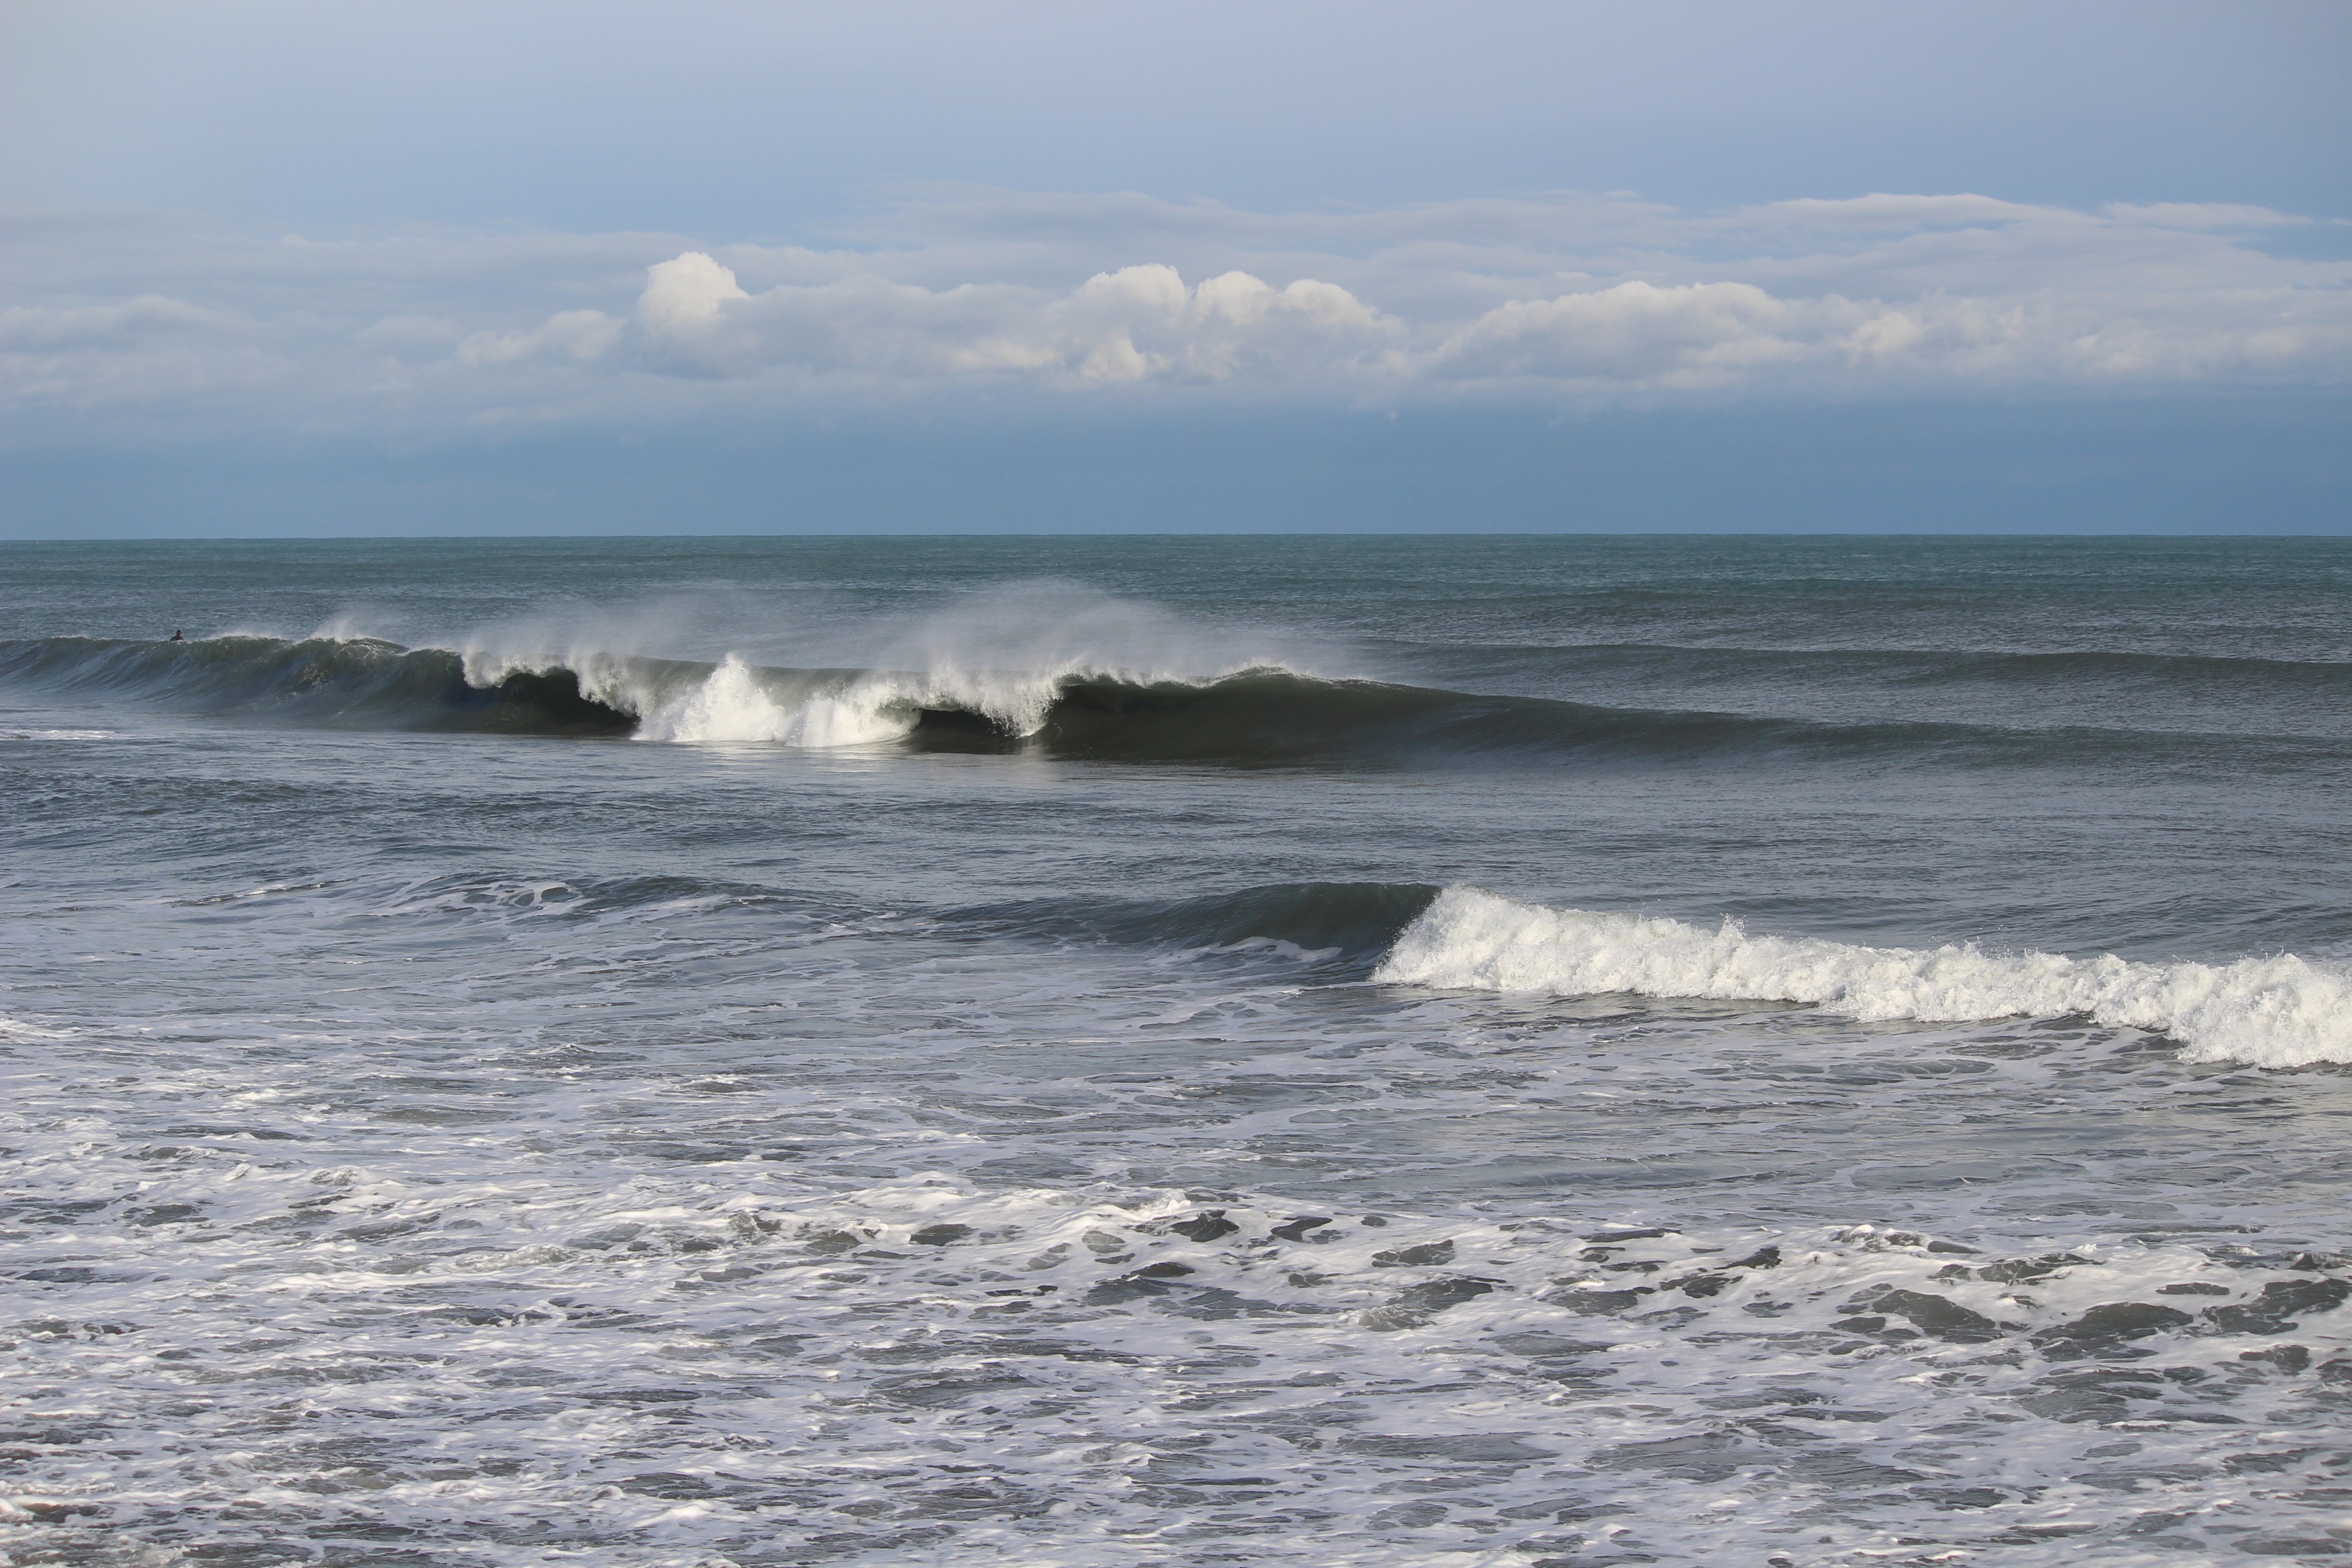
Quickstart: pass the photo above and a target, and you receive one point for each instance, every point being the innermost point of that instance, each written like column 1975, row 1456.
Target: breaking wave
column 1074, row 708
column 2277, row 1012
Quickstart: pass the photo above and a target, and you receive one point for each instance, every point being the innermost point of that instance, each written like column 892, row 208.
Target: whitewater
column 2271, row 1012
column 1494, row 1052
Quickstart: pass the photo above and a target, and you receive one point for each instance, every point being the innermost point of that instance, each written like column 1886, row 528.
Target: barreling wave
column 2277, row 1012
column 1256, row 715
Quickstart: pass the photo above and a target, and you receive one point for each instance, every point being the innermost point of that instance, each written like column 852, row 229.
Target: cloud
column 1882, row 210
column 128, row 324
column 1694, row 334
column 577, row 335
column 1116, row 328
column 138, row 357
column 687, row 294
column 2201, row 215
column 412, row 331
column 1019, row 302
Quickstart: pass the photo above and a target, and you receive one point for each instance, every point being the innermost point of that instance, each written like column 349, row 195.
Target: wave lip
column 2278, row 1012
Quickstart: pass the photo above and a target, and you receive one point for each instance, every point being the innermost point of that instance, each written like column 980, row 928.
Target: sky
column 295, row 268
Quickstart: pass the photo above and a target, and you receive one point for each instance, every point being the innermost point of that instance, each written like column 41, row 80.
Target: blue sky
column 529, row 267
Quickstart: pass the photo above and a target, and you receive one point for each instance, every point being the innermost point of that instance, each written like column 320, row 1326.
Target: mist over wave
column 2276, row 1012
column 801, row 675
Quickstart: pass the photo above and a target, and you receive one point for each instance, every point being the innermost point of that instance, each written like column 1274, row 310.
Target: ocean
column 1467, row 1050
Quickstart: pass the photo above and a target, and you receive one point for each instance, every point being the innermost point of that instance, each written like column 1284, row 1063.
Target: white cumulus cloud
column 1121, row 326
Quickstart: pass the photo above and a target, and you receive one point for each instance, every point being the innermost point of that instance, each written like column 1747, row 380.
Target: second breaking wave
column 2282, row 1011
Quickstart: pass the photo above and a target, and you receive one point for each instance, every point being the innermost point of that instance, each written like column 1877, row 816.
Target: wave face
column 2275, row 1012
column 358, row 681
column 1343, row 929
column 1279, row 715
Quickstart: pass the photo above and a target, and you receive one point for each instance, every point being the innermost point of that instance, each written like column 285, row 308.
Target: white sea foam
column 2278, row 1012
column 739, row 703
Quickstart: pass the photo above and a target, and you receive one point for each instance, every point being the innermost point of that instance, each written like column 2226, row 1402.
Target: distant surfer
column 177, row 637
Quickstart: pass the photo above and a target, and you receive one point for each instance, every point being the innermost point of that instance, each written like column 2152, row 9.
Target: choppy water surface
column 1169, row 1052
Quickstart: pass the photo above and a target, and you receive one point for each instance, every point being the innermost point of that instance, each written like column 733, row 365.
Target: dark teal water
column 795, row 1051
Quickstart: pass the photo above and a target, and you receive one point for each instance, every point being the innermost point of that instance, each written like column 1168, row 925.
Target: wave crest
column 2277, row 1012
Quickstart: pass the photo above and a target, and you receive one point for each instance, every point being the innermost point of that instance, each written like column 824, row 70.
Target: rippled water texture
column 1488, row 1052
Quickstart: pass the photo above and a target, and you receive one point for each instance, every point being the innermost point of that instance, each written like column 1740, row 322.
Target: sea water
column 1169, row 1051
